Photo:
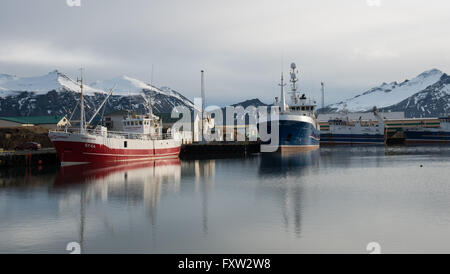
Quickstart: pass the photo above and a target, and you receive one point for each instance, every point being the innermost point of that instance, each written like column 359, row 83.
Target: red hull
column 77, row 152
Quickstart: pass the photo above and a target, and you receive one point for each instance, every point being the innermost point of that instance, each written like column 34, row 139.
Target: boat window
column 125, row 144
column 303, row 108
column 140, row 123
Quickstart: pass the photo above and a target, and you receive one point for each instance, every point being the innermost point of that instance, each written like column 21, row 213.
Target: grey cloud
column 241, row 44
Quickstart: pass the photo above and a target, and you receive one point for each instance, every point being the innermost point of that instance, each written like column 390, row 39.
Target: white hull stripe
column 145, row 159
column 288, row 146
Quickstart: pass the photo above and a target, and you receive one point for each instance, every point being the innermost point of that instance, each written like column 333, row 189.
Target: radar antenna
column 294, row 80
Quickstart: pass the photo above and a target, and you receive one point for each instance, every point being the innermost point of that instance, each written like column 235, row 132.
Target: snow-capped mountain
column 7, row 77
column 434, row 101
column 13, row 85
column 390, row 94
column 252, row 102
column 57, row 94
column 125, row 86
column 245, row 104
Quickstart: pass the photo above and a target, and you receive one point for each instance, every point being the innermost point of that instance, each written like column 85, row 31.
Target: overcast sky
column 243, row 45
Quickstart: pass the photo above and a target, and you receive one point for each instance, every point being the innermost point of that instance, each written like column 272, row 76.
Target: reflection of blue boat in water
column 288, row 163
column 299, row 128
column 282, row 176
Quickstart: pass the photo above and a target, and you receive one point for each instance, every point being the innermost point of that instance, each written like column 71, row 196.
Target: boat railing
column 116, row 134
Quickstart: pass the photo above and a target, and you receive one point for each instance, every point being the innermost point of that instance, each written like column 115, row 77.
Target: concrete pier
column 219, row 150
column 46, row 156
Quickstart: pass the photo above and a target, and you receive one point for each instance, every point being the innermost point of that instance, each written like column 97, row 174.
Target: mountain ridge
column 57, row 94
column 426, row 95
column 396, row 96
column 434, row 101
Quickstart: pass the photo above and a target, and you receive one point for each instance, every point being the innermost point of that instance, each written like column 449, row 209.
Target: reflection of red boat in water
column 124, row 182
column 110, row 171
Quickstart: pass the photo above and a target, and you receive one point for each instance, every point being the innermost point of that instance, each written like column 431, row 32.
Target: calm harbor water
column 334, row 200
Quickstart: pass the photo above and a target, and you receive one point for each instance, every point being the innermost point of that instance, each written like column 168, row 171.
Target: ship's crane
column 103, row 103
column 380, row 120
column 149, row 105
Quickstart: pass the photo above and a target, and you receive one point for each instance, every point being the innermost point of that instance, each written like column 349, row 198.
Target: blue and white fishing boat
column 421, row 134
column 342, row 131
column 299, row 127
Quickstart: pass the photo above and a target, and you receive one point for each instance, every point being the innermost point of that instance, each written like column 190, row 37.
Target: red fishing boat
column 141, row 139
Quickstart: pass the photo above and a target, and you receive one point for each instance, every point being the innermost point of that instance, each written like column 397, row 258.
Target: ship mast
column 203, row 101
column 283, row 99
column 82, row 121
column 323, row 94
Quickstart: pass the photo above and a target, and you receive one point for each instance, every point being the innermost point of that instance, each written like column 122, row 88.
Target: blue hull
column 351, row 138
column 427, row 137
column 297, row 134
